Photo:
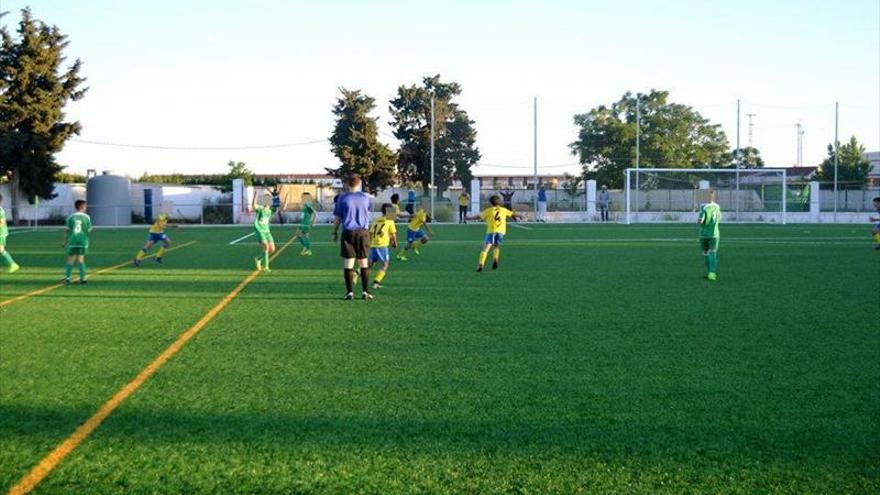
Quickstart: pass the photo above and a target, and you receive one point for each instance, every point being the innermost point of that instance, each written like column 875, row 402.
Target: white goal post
column 745, row 195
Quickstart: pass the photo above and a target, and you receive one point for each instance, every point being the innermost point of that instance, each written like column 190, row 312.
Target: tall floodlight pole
column 751, row 126
column 535, row 150
column 836, row 153
column 737, row 128
column 799, row 162
column 432, row 186
column 638, row 144
column 738, row 161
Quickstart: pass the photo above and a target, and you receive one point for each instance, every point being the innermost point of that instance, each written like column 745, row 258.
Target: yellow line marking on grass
column 48, row 463
column 99, row 272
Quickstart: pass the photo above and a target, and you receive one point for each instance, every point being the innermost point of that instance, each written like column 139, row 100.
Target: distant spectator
column 603, row 202
column 507, row 194
column 542, row 204
column 464, row 200
column 410, row 202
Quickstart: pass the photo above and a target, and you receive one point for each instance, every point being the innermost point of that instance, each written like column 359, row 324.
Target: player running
column 495, row 217
column 383, row 233
column 5, row 257
column 309, row 217
column 710, row 217
column 417, row 232
column 155, row 236
column 262, row 214
column 876, row 230
column 76, row 241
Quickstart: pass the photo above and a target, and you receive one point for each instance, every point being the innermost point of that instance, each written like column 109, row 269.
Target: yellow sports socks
column 140, row 255
column 877, row 237
column 483, row 256
column 380, row 276
column 497, row 254
column 160, row 252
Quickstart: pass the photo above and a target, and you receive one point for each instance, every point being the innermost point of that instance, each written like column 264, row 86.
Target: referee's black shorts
column 355, row 244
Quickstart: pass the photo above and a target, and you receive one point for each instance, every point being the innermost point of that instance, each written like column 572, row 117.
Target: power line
column 197, row 148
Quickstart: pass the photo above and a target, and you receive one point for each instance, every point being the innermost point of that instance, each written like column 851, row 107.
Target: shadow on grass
column 605, row 438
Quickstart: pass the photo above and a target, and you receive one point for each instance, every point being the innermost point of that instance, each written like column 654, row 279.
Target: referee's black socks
column 349, row 279
column 365, row 275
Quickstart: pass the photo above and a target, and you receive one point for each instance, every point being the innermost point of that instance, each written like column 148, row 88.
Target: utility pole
column 739, row 159
column 800, row 145
column 751, row 126
column 737, row 125
column 535, row 156
column 836, row 154
column 638, row 131
column 431, row 185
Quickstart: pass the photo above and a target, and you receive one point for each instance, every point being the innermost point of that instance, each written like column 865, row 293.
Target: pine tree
column 35, row 89
column 852, row 166
column 455, row 150
column 355, row 141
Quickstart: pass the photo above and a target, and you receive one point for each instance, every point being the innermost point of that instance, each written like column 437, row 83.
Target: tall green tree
column 747, row 157
column 672, row 135
column 455, row 149
column 355, row 142
column 237, row 170
column 852, row 166
column 34, row 89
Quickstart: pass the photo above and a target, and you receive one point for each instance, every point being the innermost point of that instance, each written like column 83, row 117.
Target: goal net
column 745, row 195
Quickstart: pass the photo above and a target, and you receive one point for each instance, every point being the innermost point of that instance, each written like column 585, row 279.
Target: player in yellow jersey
column 157, row 235
column 383, row 233
column 495, row 217
column 417, row 232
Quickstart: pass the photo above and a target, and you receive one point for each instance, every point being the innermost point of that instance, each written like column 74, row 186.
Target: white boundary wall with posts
column 742, row 200
column 745, row 195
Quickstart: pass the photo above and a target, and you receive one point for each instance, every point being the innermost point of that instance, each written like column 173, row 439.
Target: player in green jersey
column 5, row 257
column 710, row 217
column 309, row 217
column 262, row 214
column 76, row 241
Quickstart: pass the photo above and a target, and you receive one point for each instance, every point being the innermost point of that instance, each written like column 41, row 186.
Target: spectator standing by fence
column 603, row 201
column 542, row 204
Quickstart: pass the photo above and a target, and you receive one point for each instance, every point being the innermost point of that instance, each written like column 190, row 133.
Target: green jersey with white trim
column 262, row 215
column 710, row 217
column 308, row 213
column 78, row 227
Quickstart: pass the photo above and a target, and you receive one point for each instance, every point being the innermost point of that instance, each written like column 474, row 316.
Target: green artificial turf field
column 597, row 359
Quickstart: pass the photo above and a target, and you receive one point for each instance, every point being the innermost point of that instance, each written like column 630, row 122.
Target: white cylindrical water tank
column 109, row 198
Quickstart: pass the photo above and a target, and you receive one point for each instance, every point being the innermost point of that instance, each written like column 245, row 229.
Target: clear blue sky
column 216, row 73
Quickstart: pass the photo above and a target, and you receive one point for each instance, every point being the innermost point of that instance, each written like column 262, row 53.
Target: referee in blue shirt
column 353, row 213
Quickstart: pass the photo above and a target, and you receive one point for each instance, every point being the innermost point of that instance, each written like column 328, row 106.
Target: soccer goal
column 745, row 195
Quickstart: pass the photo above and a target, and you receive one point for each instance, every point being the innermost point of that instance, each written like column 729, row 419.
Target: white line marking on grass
column 242, row 238
column 521, row 226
